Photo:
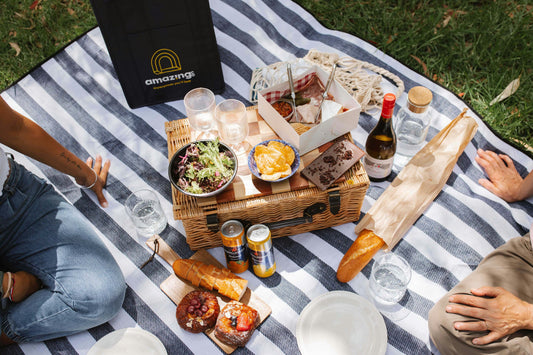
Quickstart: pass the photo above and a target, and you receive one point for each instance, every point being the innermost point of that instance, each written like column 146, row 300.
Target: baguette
column 362, row 250
column 211, row 277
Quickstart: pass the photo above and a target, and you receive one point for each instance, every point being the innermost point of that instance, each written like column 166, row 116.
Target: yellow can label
column 261, row 250
column 232, row 233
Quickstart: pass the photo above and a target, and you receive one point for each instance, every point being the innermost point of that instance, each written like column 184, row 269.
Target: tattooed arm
column 25, row 136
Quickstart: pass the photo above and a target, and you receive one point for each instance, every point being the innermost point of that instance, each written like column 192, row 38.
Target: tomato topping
column 243, row 322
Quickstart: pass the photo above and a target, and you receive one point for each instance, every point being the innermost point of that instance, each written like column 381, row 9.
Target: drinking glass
column 200, row 107
column 389, row 278
column 232, row 124
column 145, row 211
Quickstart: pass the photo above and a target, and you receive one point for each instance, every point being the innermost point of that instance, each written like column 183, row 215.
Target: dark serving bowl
column 181, row 152
column 252, row 165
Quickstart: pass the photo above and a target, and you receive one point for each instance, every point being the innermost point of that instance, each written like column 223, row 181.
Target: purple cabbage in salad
column 203, row 168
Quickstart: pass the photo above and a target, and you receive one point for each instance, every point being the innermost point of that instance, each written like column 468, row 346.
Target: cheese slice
column 307, row 113
column 329, row 109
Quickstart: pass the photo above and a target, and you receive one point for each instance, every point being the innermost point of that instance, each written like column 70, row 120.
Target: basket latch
column 334, row 201
column 212, row 222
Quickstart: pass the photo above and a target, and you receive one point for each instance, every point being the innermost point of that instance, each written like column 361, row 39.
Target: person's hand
column 101, row 172
column 498, row 311
column 504, row 180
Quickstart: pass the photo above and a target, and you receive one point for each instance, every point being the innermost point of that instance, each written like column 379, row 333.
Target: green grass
column 29, row 35
column 473, row 48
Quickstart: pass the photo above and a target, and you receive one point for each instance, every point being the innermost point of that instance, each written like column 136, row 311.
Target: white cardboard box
column 324, row 132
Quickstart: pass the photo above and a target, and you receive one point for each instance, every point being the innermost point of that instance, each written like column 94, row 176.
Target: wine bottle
column 381, row 143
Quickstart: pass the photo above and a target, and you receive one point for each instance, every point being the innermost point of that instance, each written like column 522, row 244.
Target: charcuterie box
column 289, row 207
column 327, row 130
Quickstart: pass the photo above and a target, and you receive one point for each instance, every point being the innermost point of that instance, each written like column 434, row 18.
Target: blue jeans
column 43, row 234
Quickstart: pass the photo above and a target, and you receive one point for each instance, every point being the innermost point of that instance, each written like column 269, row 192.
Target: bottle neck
column 384, row 126
column 386, row 112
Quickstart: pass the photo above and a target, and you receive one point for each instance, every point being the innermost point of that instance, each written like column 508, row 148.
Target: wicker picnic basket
column 286, row 213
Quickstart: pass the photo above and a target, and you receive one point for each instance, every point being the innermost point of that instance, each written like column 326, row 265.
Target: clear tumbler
column 200, row 106
column 389, row 278
column 232, row 122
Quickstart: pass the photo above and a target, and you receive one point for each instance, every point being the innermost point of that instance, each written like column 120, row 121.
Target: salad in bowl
column 202, row 168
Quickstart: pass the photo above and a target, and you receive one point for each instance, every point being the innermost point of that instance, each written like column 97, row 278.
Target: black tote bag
column 160, row 49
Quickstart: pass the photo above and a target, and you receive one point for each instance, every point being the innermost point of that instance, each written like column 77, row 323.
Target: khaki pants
column 509, row 266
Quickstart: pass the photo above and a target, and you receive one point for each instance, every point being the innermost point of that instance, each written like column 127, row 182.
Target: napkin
column 419, row 182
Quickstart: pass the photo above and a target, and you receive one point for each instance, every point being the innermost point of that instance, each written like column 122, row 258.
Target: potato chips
column 274, row 160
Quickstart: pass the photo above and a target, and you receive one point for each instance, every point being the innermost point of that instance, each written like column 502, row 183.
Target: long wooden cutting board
column 176, row 288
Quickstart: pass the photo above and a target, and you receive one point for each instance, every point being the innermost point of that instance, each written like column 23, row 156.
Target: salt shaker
column 412, row 122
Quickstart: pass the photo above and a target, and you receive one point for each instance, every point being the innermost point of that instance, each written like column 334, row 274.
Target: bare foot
column 504, row 180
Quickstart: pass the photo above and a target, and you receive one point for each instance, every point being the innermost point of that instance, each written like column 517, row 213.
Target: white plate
column 130, row 341
column 341, row 322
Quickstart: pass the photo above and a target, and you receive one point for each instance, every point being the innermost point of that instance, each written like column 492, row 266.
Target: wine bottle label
column 378, row 168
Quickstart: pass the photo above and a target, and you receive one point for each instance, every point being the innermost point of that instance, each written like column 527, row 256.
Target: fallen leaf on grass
column 15, row 47
column 34, row 4
column 508, row 91
column 447, row 19
column 448, row 15
column 424, row 66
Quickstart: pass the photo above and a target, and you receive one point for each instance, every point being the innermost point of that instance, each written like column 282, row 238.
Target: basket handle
column 316, row 208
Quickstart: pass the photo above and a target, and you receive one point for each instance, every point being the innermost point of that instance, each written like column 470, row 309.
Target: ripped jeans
column 43, row 234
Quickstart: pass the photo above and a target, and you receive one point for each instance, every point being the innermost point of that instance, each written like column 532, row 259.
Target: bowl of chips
column 273, row 160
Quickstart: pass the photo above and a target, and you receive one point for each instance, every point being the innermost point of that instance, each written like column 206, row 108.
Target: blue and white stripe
column 76, row 97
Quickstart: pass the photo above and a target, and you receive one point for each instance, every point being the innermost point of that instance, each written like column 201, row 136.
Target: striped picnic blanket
column 76, row 97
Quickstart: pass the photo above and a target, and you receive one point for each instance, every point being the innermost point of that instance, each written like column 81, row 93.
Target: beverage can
column 261, row 250
column 232, row 233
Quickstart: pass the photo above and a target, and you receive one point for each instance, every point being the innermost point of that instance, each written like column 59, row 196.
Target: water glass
column 146, row 212
column 232, row 122
column 389, row 278
column 200, row 107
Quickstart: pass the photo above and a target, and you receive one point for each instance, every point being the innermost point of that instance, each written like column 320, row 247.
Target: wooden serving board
column 176, row 288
